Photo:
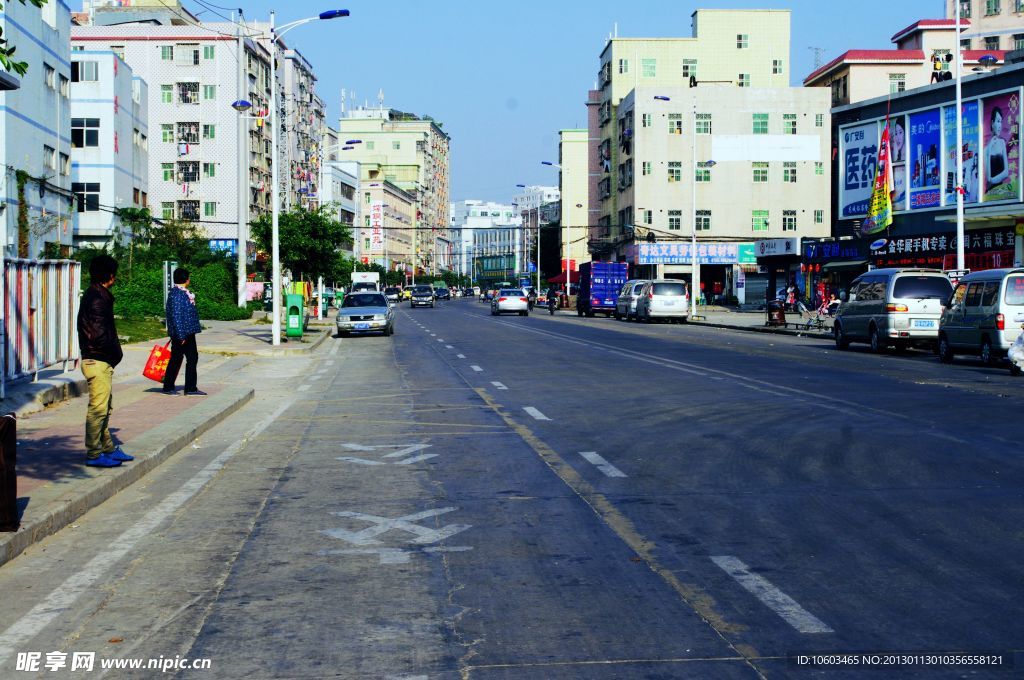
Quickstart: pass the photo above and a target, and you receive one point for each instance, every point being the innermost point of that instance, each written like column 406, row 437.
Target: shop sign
column 774, row 247
column 986, row 248
column 826, row 251
column 679, row 253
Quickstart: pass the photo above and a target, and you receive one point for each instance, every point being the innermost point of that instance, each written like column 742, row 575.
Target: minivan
column 625, row 306
column 893, row 307
column 663, row 299
column 983, row 316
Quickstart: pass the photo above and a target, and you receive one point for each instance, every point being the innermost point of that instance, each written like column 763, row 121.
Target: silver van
column 625, row 306
column 984, row 315
column 663, row 299
column 893, row 307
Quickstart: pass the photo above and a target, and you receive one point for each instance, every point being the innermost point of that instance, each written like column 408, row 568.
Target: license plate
column 362, row 326
column 924, row 323
column 669, row 303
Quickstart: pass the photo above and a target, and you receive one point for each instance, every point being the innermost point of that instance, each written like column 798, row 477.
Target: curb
column 49, row 391
column 280, row 351
column 161, row 442
column 765, row 329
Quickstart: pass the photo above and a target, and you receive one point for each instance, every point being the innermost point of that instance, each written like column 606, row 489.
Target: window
column 819, row 216
column 649, row 67
column 85, row 132
column 209, row 131
column 819, row 168
column 167, row 210
column 209, row 209
column 87, row 196
column 703, row 123
column 789, row 123
column 743, row 80
column 788, row 220
column 990, row 294
column 188, row 210
column 144, row 142
column 645, row 168
column 136, row 196
column 50, row 75
column 759, row 220
column 675, row 220
column 675, row 123
column 992, row 43
column 623, row 65
column 187, row 55
column 760, row 171
column 85, row 71
column 991, row 7
column 897, row 83
column 167, row 132
column 742, row 41
column 1018, row 41
column 702, row 174
column 689, row 68
column 64, row 87
column 167, row 94
column 50, row 157
column 776, row 67
column 369, row 146
column 760, row 123
column 65, row 164
column 77, row 48
column 645, row 120
column 965, row 44
column 208, row 51
column 167, row 54
column 675, row 171
column 789, row 172
column 188, row 133
column 209, row 170
column 965, row 9
column 367, row 198
column 703, row 220
column 396, row 146
column 648, row 216
column 167, row 170
column 209, row 92
column 188, row 93
column 188, row 171
column 819, row 120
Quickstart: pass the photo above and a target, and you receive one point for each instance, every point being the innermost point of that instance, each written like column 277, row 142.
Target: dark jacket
column 182, row 317
column 97, row 335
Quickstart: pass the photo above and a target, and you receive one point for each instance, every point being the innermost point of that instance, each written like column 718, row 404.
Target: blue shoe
column 103, row 460
column 119, row 455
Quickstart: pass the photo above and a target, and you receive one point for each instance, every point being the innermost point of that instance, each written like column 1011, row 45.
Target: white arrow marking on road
column 395, row 555
column 417, row 459
column 461, row 356
column 361, row 461
column 601, row 464
column 499, row 385
column 772, row 597
column 535, row 413
column 403, row 450
column 477, row 369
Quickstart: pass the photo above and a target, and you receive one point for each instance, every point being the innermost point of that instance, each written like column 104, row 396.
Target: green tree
column 7, row 51
column 309, row 241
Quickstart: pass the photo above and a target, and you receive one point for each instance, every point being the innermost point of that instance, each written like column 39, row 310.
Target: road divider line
column 499, row 385
column 461, row 356
column 537, row 415
column 601, row 464
column 771, row 597
column 477, row 368
column 448, row 347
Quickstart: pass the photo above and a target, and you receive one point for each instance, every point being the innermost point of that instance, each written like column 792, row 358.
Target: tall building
column 994, row 24
column 35, row 132
column 304, row 123
column 743, row 48
column 537, row 206
column 411, row 153
column 109, row 139
column 469, row 219
column 573, row 180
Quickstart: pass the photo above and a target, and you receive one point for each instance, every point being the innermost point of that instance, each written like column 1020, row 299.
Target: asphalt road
column 540, row 497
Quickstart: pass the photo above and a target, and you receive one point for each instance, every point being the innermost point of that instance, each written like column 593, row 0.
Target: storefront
column 722, row 267
column 830, row 265
column 779, row 259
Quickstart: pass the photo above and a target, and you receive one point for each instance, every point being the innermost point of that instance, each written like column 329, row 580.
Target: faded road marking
column 535, row 413
column 303, row 388
column 601, row 464
column 499, row 385
column 476, row 368
column 461, row 356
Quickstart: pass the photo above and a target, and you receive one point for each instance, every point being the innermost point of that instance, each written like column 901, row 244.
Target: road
column 540, row 497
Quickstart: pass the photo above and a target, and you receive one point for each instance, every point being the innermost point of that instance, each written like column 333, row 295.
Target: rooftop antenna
column 380, row 97
column 818, row 51
column 343, row 102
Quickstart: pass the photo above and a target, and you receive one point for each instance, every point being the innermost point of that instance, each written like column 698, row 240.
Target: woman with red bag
column 182, row 326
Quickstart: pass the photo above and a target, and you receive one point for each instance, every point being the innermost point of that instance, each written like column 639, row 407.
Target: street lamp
column 275, row 237
column 565, row 240
column 540, row 200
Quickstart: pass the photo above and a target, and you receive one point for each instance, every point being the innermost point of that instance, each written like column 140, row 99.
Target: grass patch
column 140, row 330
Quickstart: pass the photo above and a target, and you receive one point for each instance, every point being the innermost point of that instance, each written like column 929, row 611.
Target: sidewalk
column 55, row 487
column 720, row 317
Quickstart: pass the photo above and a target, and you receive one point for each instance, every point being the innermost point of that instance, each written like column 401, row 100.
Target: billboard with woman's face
column 1001, row 154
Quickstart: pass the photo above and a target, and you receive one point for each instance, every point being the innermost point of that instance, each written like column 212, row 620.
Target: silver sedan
column 510, row 300
column 365, row 312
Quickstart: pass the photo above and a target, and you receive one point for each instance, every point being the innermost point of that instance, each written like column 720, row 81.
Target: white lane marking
column 601, row 464
column 535, row 413
column 476, row 368
column 303, row 388
column 772, row 597
column 440, row 340
column 499, row 385
column 433, row 335
column 461, row 356
column 329, row 363
column 61, row 599
column 448, row 347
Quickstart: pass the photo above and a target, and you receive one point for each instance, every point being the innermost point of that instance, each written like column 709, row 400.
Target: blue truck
column 600, row 283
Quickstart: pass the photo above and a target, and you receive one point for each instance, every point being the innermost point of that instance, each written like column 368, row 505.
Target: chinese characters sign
column 377, row 227
column 985, row 249
column 679, row 253
column 859, row 164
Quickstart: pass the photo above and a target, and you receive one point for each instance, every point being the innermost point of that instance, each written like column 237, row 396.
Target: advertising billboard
column 969, row 134
column 923, row 159
column 857, row 171
column 1001, row 154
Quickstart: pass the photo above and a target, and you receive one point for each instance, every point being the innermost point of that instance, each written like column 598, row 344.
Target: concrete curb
column 150, row 450
column 45, row 393
column 281, row 351
column 765, row 329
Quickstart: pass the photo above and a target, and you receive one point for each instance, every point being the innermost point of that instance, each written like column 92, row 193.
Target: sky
column 505, row 77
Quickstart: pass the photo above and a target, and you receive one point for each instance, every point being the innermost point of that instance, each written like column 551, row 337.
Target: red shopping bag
column 156, row 366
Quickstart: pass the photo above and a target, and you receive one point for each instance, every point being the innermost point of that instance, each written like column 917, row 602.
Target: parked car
column 625, row 306
column 393, row 294
column 422, row 296
column 893, row 307
column 365, row 312
column 663, row 299
column 442, row 294
column 510, row 300
column 983, row 316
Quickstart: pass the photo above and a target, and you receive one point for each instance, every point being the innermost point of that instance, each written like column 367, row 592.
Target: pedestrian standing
column 182, row 326
column 101, row 352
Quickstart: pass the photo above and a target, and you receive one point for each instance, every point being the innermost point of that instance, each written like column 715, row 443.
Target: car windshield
column 422, row 290
column 364, row 300
column 512, row 292
column 668, row 289
column 1015, row 290
column 922, row 287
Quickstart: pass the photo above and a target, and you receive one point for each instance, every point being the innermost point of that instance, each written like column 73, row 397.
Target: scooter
column 552, row 304
column 1016, row 354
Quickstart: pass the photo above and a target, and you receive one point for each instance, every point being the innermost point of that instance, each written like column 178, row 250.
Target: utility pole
column 818, row 51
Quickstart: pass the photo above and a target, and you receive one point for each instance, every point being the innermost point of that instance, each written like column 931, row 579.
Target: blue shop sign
column 825, row 251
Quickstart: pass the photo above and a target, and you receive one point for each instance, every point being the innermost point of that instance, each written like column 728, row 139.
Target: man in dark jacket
column 101, row 352
column 182, row 326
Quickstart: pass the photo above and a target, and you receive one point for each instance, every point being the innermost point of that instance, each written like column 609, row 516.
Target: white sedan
column 509, row 301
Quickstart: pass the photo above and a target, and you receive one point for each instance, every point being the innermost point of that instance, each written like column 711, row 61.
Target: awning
column 574, row 278
column 843, row 264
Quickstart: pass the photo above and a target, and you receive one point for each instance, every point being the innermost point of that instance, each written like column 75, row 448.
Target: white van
column 983, row 316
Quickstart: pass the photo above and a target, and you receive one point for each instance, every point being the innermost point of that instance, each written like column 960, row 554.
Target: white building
column 109, row 137
column 530, row 204
column 35, row 131
column 338, row 187
column 481, row 228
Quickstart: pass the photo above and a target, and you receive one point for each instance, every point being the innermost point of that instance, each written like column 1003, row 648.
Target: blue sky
column 504, row 77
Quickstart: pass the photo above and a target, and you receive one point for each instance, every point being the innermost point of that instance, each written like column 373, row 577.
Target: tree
column 309, row 241
column 19, row 67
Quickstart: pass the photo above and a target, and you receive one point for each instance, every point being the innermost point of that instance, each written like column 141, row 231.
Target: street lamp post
column 959, row 149
column 540, row 200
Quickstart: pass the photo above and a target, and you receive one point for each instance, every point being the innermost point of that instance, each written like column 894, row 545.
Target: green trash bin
column 295, row 315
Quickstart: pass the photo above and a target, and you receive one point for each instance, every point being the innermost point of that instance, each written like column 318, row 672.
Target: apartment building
column 109, row 142
column 573, row 179
column 537, row 205
column 994, row 24
column 742, row 48
column 35, row 132
column 922, row 56
column 469, row 220
column 388, row 236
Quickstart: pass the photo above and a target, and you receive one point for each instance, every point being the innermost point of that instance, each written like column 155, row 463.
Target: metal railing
column 39, row 303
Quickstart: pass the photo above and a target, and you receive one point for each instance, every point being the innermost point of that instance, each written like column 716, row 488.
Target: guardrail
column 39, row 302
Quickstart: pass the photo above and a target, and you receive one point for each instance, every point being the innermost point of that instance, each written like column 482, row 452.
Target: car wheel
column 987, row 355
column 877, row 343
column 945, row 350
column 1015, row 370
column 523, row 313
column 842, row 342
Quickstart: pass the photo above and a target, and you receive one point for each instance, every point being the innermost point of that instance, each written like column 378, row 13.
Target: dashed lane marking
column 477, row 368
column 535, row 413
column 461, row 356
column 499, row 385
column 448, row 347
column 601, row 464
column 303, row 388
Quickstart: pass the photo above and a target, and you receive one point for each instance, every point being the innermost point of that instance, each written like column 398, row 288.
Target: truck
column 600, row 283
column 365, row 281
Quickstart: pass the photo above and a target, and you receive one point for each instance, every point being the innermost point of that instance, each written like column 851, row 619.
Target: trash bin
column 296, row 315
column 776, row 313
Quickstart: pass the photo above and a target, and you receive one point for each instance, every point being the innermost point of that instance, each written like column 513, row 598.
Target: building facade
column 573, row 179
column 338, row 187
column 109, row 138
column 472, row 216
column 995, row 24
